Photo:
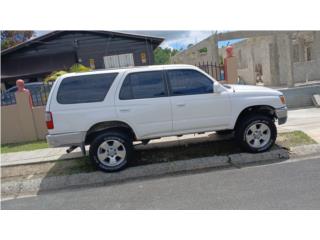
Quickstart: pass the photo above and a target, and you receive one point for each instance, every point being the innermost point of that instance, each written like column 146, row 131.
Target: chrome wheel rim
column 111, row 153
column 258, row 135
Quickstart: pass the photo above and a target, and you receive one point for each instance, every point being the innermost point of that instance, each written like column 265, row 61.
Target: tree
column 12, row 38
column 163, row 55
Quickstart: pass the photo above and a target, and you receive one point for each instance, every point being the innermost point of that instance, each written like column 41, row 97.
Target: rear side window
column 85, row 89
column 143, row 85
column 188, row 82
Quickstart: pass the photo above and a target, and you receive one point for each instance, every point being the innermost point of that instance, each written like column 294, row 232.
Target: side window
column 188, row 82
column 85, row 89
column 143, row 85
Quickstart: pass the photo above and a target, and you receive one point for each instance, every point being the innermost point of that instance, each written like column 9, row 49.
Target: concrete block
column 247, row 158
column 298, row 97
column 316, row 100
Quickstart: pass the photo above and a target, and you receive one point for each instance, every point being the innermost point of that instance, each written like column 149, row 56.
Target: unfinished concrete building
column 271, row 58
column 204, row 51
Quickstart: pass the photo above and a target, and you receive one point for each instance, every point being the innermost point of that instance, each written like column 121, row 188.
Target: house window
column 117, row 61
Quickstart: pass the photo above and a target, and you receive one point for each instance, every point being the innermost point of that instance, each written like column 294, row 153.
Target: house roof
column 53, row 34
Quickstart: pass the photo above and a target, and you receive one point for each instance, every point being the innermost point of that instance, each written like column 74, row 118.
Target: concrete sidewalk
column 307, row 120
column 37, row 156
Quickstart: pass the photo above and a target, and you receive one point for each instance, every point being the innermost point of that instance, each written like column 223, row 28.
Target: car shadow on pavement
column 153, row 153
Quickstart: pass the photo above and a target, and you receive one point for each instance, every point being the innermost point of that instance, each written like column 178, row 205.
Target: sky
column 181, row 39
column 174, row 39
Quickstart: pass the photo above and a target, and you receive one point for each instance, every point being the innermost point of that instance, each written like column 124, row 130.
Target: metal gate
column 214, row 70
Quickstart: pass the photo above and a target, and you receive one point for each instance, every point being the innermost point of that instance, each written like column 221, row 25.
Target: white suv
column 110, row 109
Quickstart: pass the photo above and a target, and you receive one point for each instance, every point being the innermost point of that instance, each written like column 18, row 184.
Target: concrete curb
column 25, row 186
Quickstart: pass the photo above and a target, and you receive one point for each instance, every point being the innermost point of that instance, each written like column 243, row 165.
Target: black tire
column 224, row 132
column 109, row 137
column 244, row 127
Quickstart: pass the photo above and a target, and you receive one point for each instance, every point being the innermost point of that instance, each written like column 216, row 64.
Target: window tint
column 187, row 82
column 85, row 89
column 143, row 85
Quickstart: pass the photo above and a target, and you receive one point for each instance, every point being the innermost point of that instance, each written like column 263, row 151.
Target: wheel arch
column 100, row 127
column 261, row 109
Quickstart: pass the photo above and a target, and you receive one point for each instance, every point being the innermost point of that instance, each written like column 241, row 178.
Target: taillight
column 49, row 120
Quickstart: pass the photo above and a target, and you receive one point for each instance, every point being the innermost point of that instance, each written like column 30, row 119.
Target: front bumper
column 282, row 115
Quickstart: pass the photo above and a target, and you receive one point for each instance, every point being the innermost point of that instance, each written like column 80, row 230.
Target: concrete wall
column 22, row 123
column 193, row 55
column 303, row 71
column 251, row 52
column 10, row 125
column 40, row 122
column 300, row 96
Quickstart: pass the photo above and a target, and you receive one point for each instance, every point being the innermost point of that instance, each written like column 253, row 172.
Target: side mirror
column 217, row 88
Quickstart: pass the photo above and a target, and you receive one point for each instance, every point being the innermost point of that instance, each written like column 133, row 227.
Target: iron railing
column 213, row 69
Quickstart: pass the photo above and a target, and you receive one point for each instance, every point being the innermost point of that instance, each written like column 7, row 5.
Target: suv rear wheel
column 256, row 133
column 111, row 151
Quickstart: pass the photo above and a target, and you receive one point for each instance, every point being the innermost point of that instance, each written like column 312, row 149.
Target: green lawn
column 27, row 146
column 294, row 138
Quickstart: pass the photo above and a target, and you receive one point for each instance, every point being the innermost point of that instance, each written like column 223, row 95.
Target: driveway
column 306, row 120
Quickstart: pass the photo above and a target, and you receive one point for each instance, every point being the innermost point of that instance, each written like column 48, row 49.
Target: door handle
column 125, row 110
column 181, row 105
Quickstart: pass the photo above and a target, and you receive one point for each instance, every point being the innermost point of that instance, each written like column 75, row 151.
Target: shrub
column 77, row 67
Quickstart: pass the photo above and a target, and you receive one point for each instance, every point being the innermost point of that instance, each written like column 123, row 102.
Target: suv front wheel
column 110, row 151
column 256, row 133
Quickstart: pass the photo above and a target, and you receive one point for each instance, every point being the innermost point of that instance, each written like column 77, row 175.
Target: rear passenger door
column 144, row 104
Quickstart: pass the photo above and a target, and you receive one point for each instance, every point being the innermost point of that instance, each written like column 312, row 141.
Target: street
column 288, row 185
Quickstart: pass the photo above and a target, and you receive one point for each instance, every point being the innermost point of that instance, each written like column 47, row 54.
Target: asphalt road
column 289, row 185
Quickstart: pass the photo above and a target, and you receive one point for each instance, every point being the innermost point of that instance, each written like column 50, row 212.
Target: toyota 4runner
column 110, row 109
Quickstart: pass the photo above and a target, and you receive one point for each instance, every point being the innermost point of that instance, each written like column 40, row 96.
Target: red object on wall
column 21, row 88
column 229, row 51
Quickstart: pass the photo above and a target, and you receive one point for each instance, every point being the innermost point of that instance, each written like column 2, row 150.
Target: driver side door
column 195, row 106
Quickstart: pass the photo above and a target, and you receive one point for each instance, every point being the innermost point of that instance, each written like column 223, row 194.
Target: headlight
column 282, row 99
